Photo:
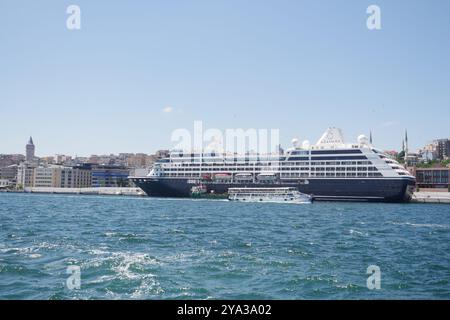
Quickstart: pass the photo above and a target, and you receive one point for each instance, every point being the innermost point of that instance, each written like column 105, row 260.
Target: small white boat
column 277, row 195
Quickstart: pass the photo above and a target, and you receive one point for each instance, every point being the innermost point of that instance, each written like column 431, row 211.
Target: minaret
column 30, row 150
column 406, row 148
column 406, row 142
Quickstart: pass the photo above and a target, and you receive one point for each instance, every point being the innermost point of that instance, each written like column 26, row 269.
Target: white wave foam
column 422, row 225
column 149, row 286
column 358, row 233
column 127, row 266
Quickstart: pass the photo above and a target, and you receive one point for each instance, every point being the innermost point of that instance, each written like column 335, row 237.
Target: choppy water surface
column 143, row 248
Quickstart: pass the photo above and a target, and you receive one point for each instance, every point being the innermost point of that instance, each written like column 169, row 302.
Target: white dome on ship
column 306, row 144
column 362, row 139
column 295, row 142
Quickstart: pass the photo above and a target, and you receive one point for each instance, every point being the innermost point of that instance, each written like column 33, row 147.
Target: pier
column 431, row 197
column 418, row 197
column 108, row 191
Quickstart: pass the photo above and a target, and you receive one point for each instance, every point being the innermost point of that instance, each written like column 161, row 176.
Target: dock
column 110, row 191
column 431, row 197
column 418, row 197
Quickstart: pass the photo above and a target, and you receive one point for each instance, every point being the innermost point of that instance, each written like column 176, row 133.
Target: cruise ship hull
column 377, row 190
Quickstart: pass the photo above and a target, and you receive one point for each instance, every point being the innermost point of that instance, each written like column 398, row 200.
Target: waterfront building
column 83, row 176
column 25, row 172
column 46, row 177
column 62, row 177
column 9, row 173
column 30, row 150
column 75, row 177
column 434, row 178
column 110, row 176
column 4, row 183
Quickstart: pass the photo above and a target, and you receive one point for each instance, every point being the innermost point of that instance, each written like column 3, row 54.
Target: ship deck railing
column 282, row 190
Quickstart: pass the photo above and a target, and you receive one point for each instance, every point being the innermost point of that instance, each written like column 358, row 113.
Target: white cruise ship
column 328, row 170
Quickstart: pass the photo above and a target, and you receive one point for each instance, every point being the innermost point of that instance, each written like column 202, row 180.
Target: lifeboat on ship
column 223, row 176
column 268, row 176
column 243, row 177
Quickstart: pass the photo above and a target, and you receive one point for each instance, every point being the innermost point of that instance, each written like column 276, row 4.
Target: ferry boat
column 201, row 192
column 277, row 195
column 330, row 170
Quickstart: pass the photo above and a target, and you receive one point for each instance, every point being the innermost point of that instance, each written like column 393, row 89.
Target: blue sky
column 299, row 66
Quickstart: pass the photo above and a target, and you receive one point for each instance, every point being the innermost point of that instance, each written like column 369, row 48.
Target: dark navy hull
column 379, row 190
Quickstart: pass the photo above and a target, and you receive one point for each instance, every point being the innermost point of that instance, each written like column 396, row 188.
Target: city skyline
column 134, row 74
column 152, row 152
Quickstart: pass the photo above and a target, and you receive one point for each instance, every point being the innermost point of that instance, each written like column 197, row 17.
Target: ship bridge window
column 296, row 153
column 348, row 151
column 340, row 158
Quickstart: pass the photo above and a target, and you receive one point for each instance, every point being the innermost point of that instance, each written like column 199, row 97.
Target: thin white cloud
column 167, row 110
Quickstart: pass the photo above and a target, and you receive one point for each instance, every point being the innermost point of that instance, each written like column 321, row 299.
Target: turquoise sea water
column 144, row 248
